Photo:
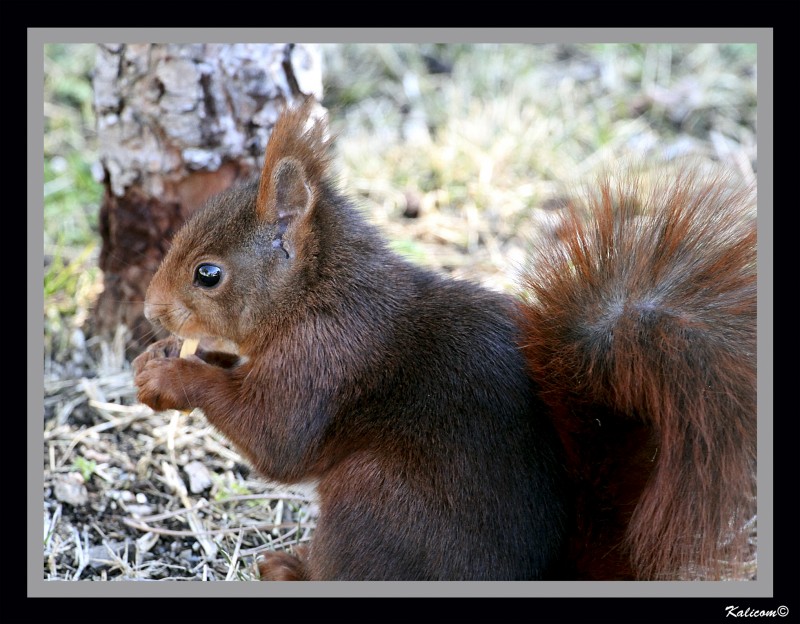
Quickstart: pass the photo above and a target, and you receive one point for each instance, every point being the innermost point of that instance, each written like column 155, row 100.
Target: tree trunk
column 177, row 124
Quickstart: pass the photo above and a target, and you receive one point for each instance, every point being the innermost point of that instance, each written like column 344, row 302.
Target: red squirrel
column 603, row 427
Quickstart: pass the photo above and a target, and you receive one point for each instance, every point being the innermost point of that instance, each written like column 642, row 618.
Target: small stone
column 199, row 477
column 146, row 541
column 99, row 556
column 69, row 489
column 140, row 511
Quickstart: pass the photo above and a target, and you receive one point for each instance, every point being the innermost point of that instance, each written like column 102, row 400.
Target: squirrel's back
column 449, row 442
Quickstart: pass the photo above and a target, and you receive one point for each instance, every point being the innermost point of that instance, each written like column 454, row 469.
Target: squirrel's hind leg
column 281, row 566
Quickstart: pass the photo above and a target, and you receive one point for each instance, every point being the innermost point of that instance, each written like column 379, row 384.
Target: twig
column 139, row 412
column 179, row 487
column 260, row 526
column 80, row 554
column 234, row 557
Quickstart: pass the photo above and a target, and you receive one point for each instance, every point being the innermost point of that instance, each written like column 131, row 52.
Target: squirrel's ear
column 288, row 198
column 291, row 192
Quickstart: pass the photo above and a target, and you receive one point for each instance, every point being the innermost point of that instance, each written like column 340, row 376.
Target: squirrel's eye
column 207, row 275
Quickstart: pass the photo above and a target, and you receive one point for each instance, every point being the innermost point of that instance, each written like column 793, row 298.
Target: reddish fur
column 402, row 394
column 280, row 566
column 406, row 397
column 641, row 331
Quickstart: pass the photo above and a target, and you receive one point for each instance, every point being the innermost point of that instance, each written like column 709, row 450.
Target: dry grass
column 455, row 168
column 131, row 494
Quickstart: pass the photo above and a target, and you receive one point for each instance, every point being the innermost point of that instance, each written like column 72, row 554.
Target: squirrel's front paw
column 166, row 348
column 162, row 381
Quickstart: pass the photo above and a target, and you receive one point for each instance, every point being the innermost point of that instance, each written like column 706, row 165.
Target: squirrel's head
column 249, row 255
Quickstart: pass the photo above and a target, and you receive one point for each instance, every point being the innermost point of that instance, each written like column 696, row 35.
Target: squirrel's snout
column 151, row 313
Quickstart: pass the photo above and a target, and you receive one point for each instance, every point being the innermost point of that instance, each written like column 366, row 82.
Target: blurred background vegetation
column 448, row 147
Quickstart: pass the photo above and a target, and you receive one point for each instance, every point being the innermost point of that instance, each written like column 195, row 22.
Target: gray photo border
column 763, row 587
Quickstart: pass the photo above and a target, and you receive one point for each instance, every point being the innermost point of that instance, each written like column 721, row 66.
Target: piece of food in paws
column 189, row 346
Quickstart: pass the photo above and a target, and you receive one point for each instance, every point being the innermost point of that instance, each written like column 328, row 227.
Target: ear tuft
column 292, row 178
column 295, row 163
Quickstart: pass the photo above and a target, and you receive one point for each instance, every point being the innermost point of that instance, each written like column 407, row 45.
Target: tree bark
column 177, row 124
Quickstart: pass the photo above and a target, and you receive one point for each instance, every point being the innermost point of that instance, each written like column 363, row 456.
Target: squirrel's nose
column 151, row 313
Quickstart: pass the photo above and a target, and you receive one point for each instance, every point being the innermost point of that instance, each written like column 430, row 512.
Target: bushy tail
column 640, row 328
